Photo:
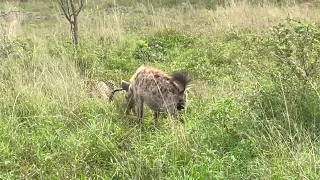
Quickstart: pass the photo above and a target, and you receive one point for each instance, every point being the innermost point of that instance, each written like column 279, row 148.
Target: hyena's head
column 182, row 81
column 125, row 86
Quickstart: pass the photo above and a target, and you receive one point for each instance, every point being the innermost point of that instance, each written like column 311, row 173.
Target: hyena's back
column 156, row 88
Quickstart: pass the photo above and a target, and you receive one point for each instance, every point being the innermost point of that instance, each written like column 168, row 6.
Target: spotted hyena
column 160, row 91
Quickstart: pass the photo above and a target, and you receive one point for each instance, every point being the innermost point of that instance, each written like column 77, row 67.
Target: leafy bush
column 288, row 91
column 150, row 52
column 296, row 45
column 158, row 47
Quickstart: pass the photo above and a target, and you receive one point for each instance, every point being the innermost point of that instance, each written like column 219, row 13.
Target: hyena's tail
column 113, row 92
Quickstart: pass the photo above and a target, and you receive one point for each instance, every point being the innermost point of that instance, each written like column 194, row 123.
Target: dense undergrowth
column 253, row 113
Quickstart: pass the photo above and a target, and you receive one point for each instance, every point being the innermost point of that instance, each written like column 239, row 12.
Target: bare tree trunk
column 74, row 25
column 75, row 35
column 71, row 13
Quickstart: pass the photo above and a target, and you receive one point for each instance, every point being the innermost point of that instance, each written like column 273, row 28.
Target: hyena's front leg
column 174, row 113
column 181, row 120
column 178, row 117
column 130, row 106
column 128, row 109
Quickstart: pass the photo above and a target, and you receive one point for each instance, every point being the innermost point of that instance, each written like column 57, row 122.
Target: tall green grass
column 250, row 114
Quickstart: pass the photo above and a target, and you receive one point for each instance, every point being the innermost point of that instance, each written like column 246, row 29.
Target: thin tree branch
column 64, row 10
column 80, row 8
column 9, row 13
column 73, row 11
column 72, row 7
column 68, row 8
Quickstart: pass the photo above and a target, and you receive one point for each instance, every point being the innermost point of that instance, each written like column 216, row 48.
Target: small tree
column 71, row 13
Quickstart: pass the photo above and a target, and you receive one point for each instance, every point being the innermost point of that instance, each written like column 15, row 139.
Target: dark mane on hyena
column 181, row 77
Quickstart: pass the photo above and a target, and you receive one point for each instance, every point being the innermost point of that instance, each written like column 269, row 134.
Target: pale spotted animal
column 99, row 89
column 161, row 92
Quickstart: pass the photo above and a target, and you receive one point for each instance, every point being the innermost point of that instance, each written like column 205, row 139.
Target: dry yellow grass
column 10, row 23
column 117, row 23
column 237, row 16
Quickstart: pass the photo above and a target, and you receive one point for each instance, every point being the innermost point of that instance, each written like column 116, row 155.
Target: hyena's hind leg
column 139, row 109
column 156, row 114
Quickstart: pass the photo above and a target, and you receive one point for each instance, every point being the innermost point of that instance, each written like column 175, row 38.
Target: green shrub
column 296, row 45
column 150, row 52
column 288, row 91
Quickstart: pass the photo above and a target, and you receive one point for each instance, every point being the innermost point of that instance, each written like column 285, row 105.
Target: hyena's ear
column 125, row 85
